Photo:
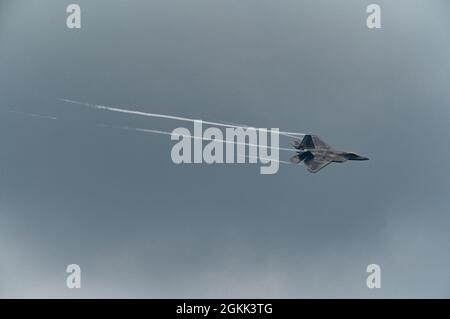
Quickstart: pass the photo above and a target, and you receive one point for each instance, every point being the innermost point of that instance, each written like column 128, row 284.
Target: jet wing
column 318, row 143
column 314, row 164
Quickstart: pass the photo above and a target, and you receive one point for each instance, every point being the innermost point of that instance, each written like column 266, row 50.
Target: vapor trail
column 195, row 137
column 263, row 158
column 33, row 115
column 164, row 116
column 284, row 133
column 145, row 130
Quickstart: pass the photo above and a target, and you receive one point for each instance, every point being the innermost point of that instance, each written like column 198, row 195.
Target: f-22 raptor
column 316, row 154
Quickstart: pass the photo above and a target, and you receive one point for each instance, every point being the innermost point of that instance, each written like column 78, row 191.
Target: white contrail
column 170, row 117
column 263, row 158
column 33, row 115
column 146, row 130
column 284, row 133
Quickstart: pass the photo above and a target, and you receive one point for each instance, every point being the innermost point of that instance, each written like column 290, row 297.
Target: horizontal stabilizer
column 301, row 156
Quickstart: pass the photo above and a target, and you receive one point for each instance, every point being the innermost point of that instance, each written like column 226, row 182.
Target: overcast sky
column 113, row 202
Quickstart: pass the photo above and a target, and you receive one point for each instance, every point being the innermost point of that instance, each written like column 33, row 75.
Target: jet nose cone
column 356, row 157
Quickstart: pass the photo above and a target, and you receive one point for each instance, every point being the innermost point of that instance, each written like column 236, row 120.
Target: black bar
column 225, row 308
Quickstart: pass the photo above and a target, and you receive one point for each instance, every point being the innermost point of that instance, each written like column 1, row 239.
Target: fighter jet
column 316, row 154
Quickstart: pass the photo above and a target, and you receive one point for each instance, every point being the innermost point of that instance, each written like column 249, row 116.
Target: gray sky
column 113, row 202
